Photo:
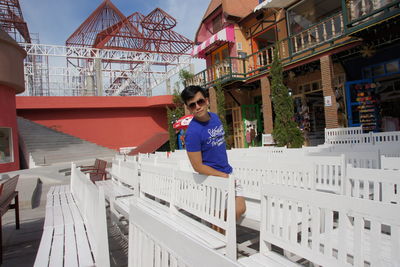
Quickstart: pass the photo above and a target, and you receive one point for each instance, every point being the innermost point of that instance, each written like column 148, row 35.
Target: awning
column 227, row 34
column 274, row 4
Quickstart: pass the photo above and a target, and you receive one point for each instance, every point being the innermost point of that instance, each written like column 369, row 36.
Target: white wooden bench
column 322, row 173
column 122, row 186
column 154, row 243
column 390, row 163
column 75, row 228
column 343, row 231
column 381, row 185
column 191, row 202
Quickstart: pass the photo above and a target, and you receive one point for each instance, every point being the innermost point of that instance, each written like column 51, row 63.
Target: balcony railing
column 235, row 68
column 231, row 68
column 326, row 31
column 322, row 32
column 363, row 11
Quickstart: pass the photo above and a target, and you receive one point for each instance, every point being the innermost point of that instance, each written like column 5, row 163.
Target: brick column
column 331, row 116
column 266, row 104
column 213, row 100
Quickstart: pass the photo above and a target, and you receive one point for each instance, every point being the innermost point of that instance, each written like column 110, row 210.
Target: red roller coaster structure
column 107, row 28
column 12, row 21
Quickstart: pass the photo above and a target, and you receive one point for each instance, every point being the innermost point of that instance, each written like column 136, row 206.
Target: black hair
column 190, row 91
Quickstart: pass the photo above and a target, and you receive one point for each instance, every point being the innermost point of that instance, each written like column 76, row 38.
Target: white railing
column 52, row 70
column 318, row 34
column 91, row 203
column 355, row 135
column 93, row 53
column 302, row 193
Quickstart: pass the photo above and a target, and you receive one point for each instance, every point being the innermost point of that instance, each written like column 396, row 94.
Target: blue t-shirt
column 208, row 137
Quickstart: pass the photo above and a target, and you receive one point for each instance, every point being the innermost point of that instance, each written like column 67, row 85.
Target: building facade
column 340, row 57
column 11, row 83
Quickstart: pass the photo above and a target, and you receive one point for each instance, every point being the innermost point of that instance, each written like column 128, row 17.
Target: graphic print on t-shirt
column 216, row 137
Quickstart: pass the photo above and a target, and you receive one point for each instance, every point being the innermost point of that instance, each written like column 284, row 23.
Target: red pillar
column 11, row 83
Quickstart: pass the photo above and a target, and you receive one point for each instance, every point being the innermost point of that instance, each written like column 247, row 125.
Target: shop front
column 374, row 101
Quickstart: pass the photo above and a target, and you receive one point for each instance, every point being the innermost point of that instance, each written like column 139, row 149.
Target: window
column 310, row 12
column 217, row 24
column 6, row 148
column 310, row 87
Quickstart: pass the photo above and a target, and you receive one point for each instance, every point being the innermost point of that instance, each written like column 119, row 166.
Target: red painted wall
column 8, row 119
column 112, row 122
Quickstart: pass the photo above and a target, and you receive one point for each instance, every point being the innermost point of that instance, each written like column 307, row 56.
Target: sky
column 56, row 20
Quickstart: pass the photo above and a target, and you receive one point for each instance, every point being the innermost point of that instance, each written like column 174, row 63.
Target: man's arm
column 197, row 163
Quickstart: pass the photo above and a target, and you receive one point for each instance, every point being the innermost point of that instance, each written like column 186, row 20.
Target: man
column 205, row 142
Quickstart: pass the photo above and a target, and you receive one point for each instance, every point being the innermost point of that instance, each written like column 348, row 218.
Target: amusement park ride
column 109, row 53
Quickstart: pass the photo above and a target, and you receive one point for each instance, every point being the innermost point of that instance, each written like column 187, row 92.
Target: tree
column 184, row 76
column 174, row 114
column 285, row 132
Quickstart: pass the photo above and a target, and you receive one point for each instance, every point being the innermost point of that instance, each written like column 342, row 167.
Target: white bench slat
column 49, row 218
column 42, row 258
column 66, row 210
column 50, row 192
column 84, row 256
column 57, row 247
column 76, row 215
column 178, row 248
column 71, row 257
column 198, row 231
column 58, row 216
column 50, row 201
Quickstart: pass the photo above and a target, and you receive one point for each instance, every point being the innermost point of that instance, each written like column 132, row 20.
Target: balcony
column 237, row 69
column 317, row 38
column 318, row 34
column 227, row 70
column 362, row 13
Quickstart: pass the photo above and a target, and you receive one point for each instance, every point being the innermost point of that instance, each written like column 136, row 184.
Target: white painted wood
column 390, row 163
column 57, row 247
column 171, row 244
column 373, row 184
column 71, row 257
column 42, row 257
column 347, row 235
column 75, row 231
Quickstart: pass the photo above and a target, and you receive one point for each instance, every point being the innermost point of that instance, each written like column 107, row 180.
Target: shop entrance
column 310, row 116
column 237, row 125
column 252, row 125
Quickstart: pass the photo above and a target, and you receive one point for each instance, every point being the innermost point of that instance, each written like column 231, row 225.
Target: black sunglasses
column 199, row 102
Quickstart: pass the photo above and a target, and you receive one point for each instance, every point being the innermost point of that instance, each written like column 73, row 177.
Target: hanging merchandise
column 364, row 105
column 251, row 131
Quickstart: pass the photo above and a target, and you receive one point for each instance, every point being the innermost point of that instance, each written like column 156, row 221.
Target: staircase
column 48, row 146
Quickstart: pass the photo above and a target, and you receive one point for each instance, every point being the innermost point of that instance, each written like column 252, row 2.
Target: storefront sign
column 328, row 101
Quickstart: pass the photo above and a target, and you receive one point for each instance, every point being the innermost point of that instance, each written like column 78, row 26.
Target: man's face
column 198, row 105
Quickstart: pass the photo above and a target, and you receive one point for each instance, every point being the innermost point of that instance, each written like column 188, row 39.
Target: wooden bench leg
column 16, row 212
column 1, row 240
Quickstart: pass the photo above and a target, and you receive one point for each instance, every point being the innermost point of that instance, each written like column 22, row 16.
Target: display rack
column 362, row 105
